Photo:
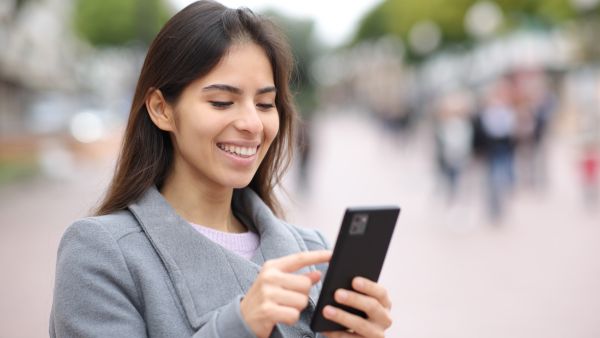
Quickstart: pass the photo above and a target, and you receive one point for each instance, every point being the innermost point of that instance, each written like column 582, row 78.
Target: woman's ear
column 160, row 110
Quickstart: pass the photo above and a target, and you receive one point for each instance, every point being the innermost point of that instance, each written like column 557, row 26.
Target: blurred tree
column 398, row 17
column 20, row 3
column 305, row 47
column 536, row 12
column 119, row 22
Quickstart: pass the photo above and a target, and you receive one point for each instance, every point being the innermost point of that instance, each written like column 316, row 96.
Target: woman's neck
column 202, row 205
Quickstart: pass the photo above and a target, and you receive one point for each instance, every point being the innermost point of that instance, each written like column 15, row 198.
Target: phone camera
column 359, row 224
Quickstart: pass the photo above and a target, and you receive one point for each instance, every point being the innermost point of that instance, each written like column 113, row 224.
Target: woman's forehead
column 243, row 65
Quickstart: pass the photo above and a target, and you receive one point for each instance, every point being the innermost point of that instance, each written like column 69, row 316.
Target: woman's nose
column 249, row 119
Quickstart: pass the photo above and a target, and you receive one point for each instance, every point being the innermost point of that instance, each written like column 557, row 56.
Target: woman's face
column 226, row 120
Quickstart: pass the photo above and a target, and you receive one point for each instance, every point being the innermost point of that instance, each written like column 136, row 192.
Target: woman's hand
column 278, row 295
column 369, row 297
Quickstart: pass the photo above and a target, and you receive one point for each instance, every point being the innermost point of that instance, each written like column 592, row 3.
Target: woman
column 185, row 243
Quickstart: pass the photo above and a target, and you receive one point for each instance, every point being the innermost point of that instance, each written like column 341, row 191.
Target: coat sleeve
column 94, row 293
column 226, row 322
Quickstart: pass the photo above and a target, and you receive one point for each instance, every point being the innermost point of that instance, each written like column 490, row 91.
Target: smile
column 238, row 150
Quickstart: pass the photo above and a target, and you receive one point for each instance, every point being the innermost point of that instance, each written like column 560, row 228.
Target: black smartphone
column 360, row 250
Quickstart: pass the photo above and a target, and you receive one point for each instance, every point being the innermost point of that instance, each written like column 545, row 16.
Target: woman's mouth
column 237, row 150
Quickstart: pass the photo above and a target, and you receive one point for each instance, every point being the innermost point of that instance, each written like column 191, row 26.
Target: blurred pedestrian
column 305, row 140
column 453, row 136
column 534, row 103
column 186, row 242
column 497, row 121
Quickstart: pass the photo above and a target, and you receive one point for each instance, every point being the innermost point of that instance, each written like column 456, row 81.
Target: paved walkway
column 450, row 273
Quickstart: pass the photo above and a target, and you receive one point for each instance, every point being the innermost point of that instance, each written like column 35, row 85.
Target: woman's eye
column 265, row 106
column 221, row 104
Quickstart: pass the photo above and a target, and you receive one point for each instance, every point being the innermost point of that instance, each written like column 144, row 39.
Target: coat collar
column 205, row 275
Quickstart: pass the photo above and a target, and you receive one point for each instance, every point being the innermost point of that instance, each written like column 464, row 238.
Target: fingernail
column 329, row 311
column 342, row 295
column 359, row 283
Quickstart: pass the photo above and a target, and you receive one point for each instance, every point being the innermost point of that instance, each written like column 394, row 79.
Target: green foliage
column 397, row 17
column 555, row 11
column 301, row 36
column 373, row 25
column 20, row 3
column 547, row 12
column 119, row 22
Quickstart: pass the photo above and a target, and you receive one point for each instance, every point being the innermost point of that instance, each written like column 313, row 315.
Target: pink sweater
column 243, row 244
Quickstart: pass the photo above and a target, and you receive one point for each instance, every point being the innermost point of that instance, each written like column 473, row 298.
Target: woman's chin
column 240, row 186
column 239, row 183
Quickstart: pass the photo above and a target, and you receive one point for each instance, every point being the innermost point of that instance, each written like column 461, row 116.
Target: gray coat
column 145, row 272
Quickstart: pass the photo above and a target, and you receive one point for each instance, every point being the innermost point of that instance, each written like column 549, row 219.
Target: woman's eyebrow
column 236, row 90
column 265, row 90
column 223, row 87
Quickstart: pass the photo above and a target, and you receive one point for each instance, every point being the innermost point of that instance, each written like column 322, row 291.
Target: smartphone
column 360, row 250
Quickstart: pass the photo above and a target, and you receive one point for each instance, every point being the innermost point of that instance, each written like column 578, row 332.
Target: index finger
column 299, row 260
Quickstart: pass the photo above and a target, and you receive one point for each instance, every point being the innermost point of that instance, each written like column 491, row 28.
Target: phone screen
column 360, row 250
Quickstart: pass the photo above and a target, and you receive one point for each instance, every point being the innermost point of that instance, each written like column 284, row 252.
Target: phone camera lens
column 359, row 224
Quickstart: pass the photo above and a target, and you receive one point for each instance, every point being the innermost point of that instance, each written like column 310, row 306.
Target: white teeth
column 237, row 150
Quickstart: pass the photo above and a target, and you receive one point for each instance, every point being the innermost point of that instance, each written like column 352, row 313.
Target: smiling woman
column 185, row 242
column 184, row 54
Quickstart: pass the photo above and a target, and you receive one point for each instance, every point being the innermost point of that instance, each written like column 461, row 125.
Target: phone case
column 360, row 250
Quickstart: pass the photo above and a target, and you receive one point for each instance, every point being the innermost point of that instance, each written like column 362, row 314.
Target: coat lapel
column 206, row 276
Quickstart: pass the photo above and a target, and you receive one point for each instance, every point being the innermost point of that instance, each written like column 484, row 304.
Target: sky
column 336, row 21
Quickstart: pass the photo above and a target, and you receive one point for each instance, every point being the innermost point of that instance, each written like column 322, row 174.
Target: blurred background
column 481, row 119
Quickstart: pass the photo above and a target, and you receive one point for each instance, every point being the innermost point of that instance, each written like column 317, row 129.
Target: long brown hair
column 188, row 47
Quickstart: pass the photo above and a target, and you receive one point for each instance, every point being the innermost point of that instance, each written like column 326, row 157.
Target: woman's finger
column 372, row 289
column 289, row 281
column 287, row 298
column 375, row 311
column 360, row 326
column 297, row 261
